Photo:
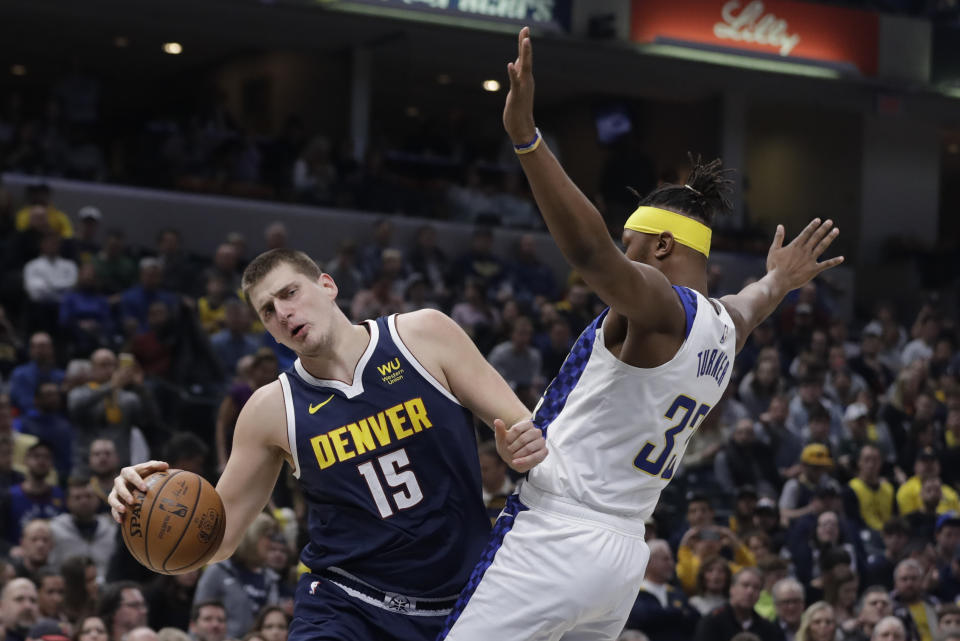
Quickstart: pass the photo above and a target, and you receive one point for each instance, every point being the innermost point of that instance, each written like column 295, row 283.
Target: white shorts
column 564, row 571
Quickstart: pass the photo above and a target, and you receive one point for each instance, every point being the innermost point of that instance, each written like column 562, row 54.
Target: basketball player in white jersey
column 568, row 555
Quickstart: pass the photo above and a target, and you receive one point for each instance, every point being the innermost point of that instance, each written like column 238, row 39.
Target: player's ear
column 326, row 281
column 665, row 244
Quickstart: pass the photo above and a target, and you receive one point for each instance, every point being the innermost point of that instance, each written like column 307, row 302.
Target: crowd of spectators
column 818, row 499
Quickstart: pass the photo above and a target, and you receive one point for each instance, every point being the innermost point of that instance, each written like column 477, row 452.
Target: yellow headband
column 686, row 231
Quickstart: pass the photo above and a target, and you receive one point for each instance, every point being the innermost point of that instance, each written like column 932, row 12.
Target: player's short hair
column 266, row 262
column 705, row 195
column 206, row 603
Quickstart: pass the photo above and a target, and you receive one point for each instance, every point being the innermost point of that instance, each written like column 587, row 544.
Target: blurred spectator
column 10, row 345
column 85, row 314
column 234, row 341
column 700, row 514
column 860, row 433
column 430, row 261
column 211, row 307
column 39, row 196
column 927, row 328
column 82, row 594
column 788, row 601
column 796, row 499
column 738, row 614
column 8, row 475
column 902, row 397
column 345, row 273
column 927, row 466
column 713, row 585
column 19, row 441
column 948, row 620
column 263, row 370
column 275, row 235
column 91, row 629
column 479, row 264
column 135, row 301
column 50, row 589
column 155, row 346
column 122, row 608
column 208, row 621
column 868, row 364
column 700, row 543
column 841, row 593
column 554, row 350
column 923, row 521
column 773, row 569
column 879, row 567
column 762, row 383
column 242, row 583
column 475, row 314
column 874, row 494
column 179, row 273
column 911, row 602
column 495, row 483
column 104, row 468
column 272, row 623
column 314, row 174
column 809, row 554
column 18, row 608
column 744, row 507
column 36, row 545
column 86, row 245
column 661, row 610
column 81, row 531
column 810, row 397
column 25, row 379
column 109, row 406
column 46, row 279
column 874, row 605
column 34, row 498
column 890, row 628
column 169, row 598
column 48, row 424
column 818, row 623
column 516, row 360
column 530, row 276
column 186, row 451
column 226, row 265
column 576, row 307
column 116, row 270
column 377, row 300
column 417, row 295
column 787, row 447
column 745, row 460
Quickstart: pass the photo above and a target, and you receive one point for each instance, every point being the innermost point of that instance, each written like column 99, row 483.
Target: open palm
column 797, row 263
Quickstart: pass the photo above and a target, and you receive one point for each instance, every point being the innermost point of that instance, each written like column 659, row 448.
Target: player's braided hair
column 705, row 195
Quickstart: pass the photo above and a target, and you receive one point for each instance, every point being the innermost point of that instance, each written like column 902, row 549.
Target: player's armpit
column 450, row 356
column 254, row 464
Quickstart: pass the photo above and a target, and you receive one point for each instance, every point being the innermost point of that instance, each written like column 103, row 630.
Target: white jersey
column 616, row 433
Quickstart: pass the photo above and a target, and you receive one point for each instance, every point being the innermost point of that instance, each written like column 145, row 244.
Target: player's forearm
column 573, row 221
column 757, row 300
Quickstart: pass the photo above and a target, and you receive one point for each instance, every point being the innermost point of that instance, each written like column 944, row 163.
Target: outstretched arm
column 788, row 268
column 639, row 292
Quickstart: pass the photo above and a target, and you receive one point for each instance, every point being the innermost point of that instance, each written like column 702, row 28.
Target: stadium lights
column 491, row 85
column 18, row 70
column 173, row 48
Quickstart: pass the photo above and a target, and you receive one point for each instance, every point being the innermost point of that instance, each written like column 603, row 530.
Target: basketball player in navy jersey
column 569, row 547
column 373, row 420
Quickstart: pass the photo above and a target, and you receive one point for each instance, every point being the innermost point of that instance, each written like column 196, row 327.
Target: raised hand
column 518, row 111
column 796, row 264
column 522, row 446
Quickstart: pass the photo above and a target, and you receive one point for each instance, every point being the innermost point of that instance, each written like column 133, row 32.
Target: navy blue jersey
column 389, row 469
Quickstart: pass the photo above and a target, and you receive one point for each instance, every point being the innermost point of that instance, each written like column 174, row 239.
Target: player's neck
column 692, row 276
column 338, row 361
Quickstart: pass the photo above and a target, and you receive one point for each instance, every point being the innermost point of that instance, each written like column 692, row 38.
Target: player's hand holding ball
column 522, row 446
column 172, row 521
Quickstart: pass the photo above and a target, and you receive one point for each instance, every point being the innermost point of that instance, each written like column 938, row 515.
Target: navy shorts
column 324, row 612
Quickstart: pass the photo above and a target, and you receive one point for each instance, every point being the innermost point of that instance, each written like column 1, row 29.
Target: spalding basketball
column 177, row 525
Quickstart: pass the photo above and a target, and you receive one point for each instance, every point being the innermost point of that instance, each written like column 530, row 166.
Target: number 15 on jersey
column 659, row 466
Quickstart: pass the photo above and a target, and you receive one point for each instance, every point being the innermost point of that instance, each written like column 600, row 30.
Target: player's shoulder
column 424, row 327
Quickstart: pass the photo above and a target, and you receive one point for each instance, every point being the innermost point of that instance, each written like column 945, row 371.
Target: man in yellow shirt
column 38, row 197
column 925, row 467
column 874, row 494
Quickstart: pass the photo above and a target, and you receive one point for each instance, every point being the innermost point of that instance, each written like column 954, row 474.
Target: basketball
column 177, row 525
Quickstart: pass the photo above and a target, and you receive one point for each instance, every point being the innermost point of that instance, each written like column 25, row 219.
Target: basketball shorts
column 563, row 571
column 332, row 607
